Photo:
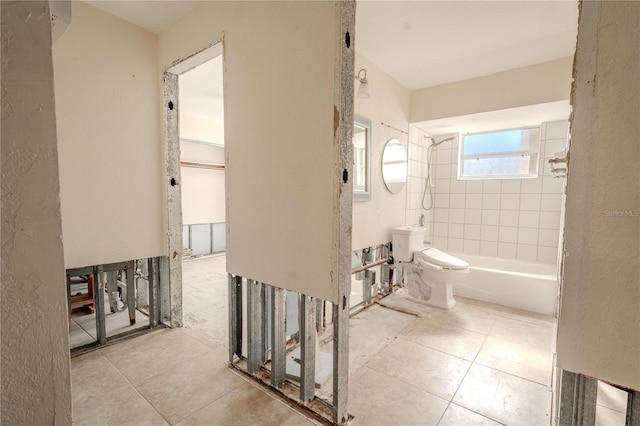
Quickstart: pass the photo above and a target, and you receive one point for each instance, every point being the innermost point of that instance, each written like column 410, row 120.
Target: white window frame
column 533, row 154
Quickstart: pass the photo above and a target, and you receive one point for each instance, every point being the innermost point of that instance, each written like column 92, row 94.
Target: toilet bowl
column 428, row 272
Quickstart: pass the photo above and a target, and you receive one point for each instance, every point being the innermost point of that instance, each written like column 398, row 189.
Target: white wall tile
column 443, row 171
column 472, row 246
column 549, row 237
column 550, row 220
column 456, row 230
column 488, row 248
column 528, row 236
column 473, row 216
column 547, row 254
column 510, row 202
column 554, row 146
column 530, row 202
column 529, row 219
column 440, row 229
column 509, row 218
column 492, row 186
column 508, row 234
column 458, row 186
column 441, row 186
column 471, row 232
column 455, row 245
column 489, row 233
column 511, row 186
column 441, row 200
column 551, row 202
column 443, row 156
column 531, row 186
column 528, row 253
column 441, row 215
column 557, row 130
column 456, row 201
column 507, row 250
column 474, row 187
column 552, row 185
column 490, row 217
column 456, row 216
column 491, row 201
column 473, row 201
column 440, row 243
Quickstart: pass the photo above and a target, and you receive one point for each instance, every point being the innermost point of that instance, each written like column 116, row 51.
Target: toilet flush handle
column 429, row 265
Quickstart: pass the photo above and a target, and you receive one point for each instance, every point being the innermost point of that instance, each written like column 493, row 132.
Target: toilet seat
column 436, row 257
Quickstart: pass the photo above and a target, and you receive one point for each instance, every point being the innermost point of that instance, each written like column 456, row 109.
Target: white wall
column 532, row 85
column 506, row 218
column 203, row 196
column 201, row 127
column 282, row 104
column 107, row 98
column 600, row 307
column 36, row 382
column 389, row 103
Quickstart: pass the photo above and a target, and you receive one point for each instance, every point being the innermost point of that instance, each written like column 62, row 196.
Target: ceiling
column 418, row 43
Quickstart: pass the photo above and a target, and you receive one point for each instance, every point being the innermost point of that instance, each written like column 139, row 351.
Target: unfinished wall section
column 600, row 306
column 111, row 163
column 36, row 382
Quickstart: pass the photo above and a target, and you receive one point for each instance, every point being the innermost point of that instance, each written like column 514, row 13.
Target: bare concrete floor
column 479, row 364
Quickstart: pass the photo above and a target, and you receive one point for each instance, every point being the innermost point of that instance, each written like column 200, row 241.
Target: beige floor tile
column 537, row 335
column 526, row 316
column 504, row 398
column 370, row 331
column 612, row 397
column 101, row 395
column 520, row 360
column 185, row 388
column 608, row 417
column 167, row 351
column 378, row 399
column 452, row 340
column 430, row 370
column 460, row 416
column 247, row 405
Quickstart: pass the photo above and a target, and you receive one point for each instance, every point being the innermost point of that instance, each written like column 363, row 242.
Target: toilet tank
column 406, row 240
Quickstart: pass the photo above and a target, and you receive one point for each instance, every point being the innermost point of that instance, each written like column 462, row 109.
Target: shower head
column 434, row 143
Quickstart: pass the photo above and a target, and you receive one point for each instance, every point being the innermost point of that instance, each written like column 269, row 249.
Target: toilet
column 429, row 273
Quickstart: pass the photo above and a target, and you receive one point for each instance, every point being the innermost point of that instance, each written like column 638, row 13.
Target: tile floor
column 479, row 364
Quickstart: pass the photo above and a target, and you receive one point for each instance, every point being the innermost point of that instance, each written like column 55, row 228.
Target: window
column 500, row 154
column 361, row 159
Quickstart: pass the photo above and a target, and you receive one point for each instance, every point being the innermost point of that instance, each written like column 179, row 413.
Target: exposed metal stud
column 633, row 408
column 265, row 301
column 154, row 306
column 98, row 291
column 278, row 335
column 367, row 283
column 164, row 289
column 578, row 399
column 319, row 314
column 235, row 316
column 307, row 348
column 254, row 325
column 131, row 291
column 112, row 289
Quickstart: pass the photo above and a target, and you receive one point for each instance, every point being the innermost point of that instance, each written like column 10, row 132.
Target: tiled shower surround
column 507, row 218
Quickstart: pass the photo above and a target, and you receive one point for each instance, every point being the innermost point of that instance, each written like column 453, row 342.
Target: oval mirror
column 394, row 166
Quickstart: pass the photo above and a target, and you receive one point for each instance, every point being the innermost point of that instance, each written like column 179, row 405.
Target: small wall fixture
column 363, row 90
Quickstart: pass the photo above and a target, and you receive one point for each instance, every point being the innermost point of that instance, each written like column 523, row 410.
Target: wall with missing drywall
column 111, row 162
column 600, row 306
column 36, row 381
column 388, row 103
column 282, row 151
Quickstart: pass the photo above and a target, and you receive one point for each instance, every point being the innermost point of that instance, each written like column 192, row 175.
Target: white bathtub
column 518, row 284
